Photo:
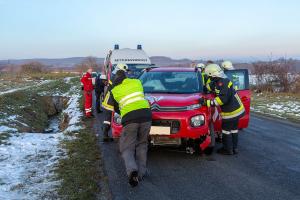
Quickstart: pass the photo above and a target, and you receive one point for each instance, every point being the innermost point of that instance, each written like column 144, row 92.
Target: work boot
column 227, row 145
column 235, row 143
column 133, row 179
column 106, row 137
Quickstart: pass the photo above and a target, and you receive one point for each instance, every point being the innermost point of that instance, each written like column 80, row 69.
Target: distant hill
column 51, row 62
column 161, row 61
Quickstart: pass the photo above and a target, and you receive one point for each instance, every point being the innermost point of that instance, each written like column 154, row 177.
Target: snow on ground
column 27, row 160
column 5, row 129
column 278, row 107
column 26, row 165
column 68, row 79
column 74, row 113
column 26, row 87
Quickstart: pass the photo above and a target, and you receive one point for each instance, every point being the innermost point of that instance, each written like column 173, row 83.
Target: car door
column 240, row 80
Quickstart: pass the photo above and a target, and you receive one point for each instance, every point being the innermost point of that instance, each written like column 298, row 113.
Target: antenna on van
column 116, row 46
column 139, row 47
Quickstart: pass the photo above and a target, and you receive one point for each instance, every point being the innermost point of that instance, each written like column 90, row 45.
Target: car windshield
column 171, row 82
column 135, row 69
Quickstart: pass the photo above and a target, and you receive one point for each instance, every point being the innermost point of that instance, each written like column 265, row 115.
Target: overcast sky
column 180, row 29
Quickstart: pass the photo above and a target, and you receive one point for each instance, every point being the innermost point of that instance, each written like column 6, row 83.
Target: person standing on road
column 88, row 88
column 231, row 105
column 108, row 109
column 127, row 98
column 99, row 90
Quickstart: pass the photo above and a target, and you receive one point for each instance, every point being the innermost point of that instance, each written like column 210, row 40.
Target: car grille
column 157, row 108
column 174, row 124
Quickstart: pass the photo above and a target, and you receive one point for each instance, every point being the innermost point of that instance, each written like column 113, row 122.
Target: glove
column 207, row 102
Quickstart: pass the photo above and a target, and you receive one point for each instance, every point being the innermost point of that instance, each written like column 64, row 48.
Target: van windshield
column 135, row 69
column 171, row 82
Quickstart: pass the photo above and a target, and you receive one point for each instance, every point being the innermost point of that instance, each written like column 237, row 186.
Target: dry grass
column 81, row 172
column 279, row 105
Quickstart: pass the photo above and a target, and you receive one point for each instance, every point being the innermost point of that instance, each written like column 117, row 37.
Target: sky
column 194, row 29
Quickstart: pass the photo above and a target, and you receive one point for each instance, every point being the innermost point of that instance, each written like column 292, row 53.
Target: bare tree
column 32, row 67
column 88, row 62
column 274, row 75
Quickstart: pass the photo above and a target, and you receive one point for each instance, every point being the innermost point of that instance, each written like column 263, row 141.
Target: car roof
column 173, row 69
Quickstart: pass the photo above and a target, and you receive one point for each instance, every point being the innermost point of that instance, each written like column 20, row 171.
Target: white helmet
column 214, row 70
column 201, row 66
column 227, row 65
column 103, row 77
column 122, row 66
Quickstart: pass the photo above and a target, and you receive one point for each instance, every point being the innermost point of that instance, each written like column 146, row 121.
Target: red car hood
column 170, row 100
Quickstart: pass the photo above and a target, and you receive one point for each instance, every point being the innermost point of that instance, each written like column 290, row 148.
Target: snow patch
column 24, row 88
column 6, row 129
column 26, row 165
column 27, row 160
column 74, row 112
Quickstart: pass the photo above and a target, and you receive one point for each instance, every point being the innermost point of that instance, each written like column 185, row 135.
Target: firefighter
column 88, row 88
column 201, row 67
column 227, row 65
column 231, row 107
column 99, row 90
column 107, row 108
column 208, row 81
column 127, row 98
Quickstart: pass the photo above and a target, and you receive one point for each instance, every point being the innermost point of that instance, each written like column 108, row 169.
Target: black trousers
column 98, row 101
column 230, row 134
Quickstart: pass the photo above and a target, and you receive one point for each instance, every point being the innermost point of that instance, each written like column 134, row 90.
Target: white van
column 136, row 59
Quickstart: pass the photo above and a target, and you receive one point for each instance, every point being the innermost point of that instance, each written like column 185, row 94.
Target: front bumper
column 173, row 119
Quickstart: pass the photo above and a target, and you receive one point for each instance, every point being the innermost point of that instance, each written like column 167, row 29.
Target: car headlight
column 197, row 121
column 117, row 118
column 193, row 107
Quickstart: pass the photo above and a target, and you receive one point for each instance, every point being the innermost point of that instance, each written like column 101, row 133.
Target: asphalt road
column 267, row 167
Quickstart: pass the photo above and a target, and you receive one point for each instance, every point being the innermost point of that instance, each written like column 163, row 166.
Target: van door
column 240, row 80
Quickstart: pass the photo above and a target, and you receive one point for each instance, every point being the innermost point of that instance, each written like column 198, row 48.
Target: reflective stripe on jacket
column 130, row 96
column 229, row 101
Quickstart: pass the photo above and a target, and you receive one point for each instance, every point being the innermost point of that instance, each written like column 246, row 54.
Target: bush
column 32, row 68
column 274, row 76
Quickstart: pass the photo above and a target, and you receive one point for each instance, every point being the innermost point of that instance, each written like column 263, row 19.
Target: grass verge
column 279, row 105
column 81, row 172
column 28, row 107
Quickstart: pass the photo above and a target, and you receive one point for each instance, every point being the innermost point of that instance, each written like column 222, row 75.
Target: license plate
column 160, row 130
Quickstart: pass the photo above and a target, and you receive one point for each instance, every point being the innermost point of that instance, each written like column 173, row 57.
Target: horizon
column 236, row 60
column 256, row 30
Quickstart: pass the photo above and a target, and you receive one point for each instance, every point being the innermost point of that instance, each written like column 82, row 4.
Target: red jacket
column 87, row 82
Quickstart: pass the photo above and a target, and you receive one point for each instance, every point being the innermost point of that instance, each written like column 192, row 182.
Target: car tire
column 210, row 149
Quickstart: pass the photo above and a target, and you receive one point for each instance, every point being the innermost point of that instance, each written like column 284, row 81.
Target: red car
column 177, row 115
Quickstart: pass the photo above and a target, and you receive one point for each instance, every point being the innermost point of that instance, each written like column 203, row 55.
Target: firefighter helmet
column 227, row 65
column 201, row 66
column 122, row 66
column 214, row 70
